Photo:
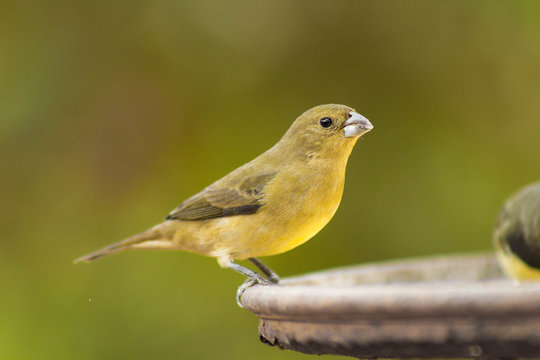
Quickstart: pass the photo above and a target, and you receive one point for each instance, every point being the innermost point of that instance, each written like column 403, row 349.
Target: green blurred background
column 112, row 113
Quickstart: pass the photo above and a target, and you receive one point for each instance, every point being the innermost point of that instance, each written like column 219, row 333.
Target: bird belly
column 285, row 231
column 298, row 236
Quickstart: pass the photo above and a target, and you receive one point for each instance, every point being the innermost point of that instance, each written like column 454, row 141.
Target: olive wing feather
column 218, row 201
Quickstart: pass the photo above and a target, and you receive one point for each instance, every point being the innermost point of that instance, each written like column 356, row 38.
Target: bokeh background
column 113, row 112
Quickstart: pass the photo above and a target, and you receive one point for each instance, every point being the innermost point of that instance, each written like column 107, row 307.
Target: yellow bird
column 517, row 235
column 268, row 206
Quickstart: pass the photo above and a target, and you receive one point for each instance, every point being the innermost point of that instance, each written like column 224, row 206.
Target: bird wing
column 219, row 200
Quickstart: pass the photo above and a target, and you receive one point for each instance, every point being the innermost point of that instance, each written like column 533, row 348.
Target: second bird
column 268, row 206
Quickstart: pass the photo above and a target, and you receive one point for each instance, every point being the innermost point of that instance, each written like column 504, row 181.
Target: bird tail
column 154, row 238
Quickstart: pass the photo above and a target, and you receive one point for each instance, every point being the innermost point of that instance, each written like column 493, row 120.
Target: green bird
column 517, row 235
column 268, row 206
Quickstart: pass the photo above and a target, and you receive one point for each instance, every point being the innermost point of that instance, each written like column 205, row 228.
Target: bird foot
column 251, row 281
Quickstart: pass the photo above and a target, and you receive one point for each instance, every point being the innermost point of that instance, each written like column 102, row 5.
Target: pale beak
column 356, row 125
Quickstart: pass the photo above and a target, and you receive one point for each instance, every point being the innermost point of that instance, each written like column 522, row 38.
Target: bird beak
column 356, row 125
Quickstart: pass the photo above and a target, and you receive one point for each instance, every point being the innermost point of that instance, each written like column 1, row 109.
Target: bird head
column 327, row 129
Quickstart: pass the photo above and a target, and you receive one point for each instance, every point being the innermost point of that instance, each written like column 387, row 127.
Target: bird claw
column 251, row 281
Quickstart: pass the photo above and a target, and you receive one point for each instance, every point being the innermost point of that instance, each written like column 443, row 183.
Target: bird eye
column 326, row 122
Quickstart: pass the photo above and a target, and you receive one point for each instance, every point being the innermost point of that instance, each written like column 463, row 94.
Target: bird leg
column 270, row 274
column 252, row 275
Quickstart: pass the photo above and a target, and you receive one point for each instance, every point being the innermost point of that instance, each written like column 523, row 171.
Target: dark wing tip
column 242, row 210
column 214, row 212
